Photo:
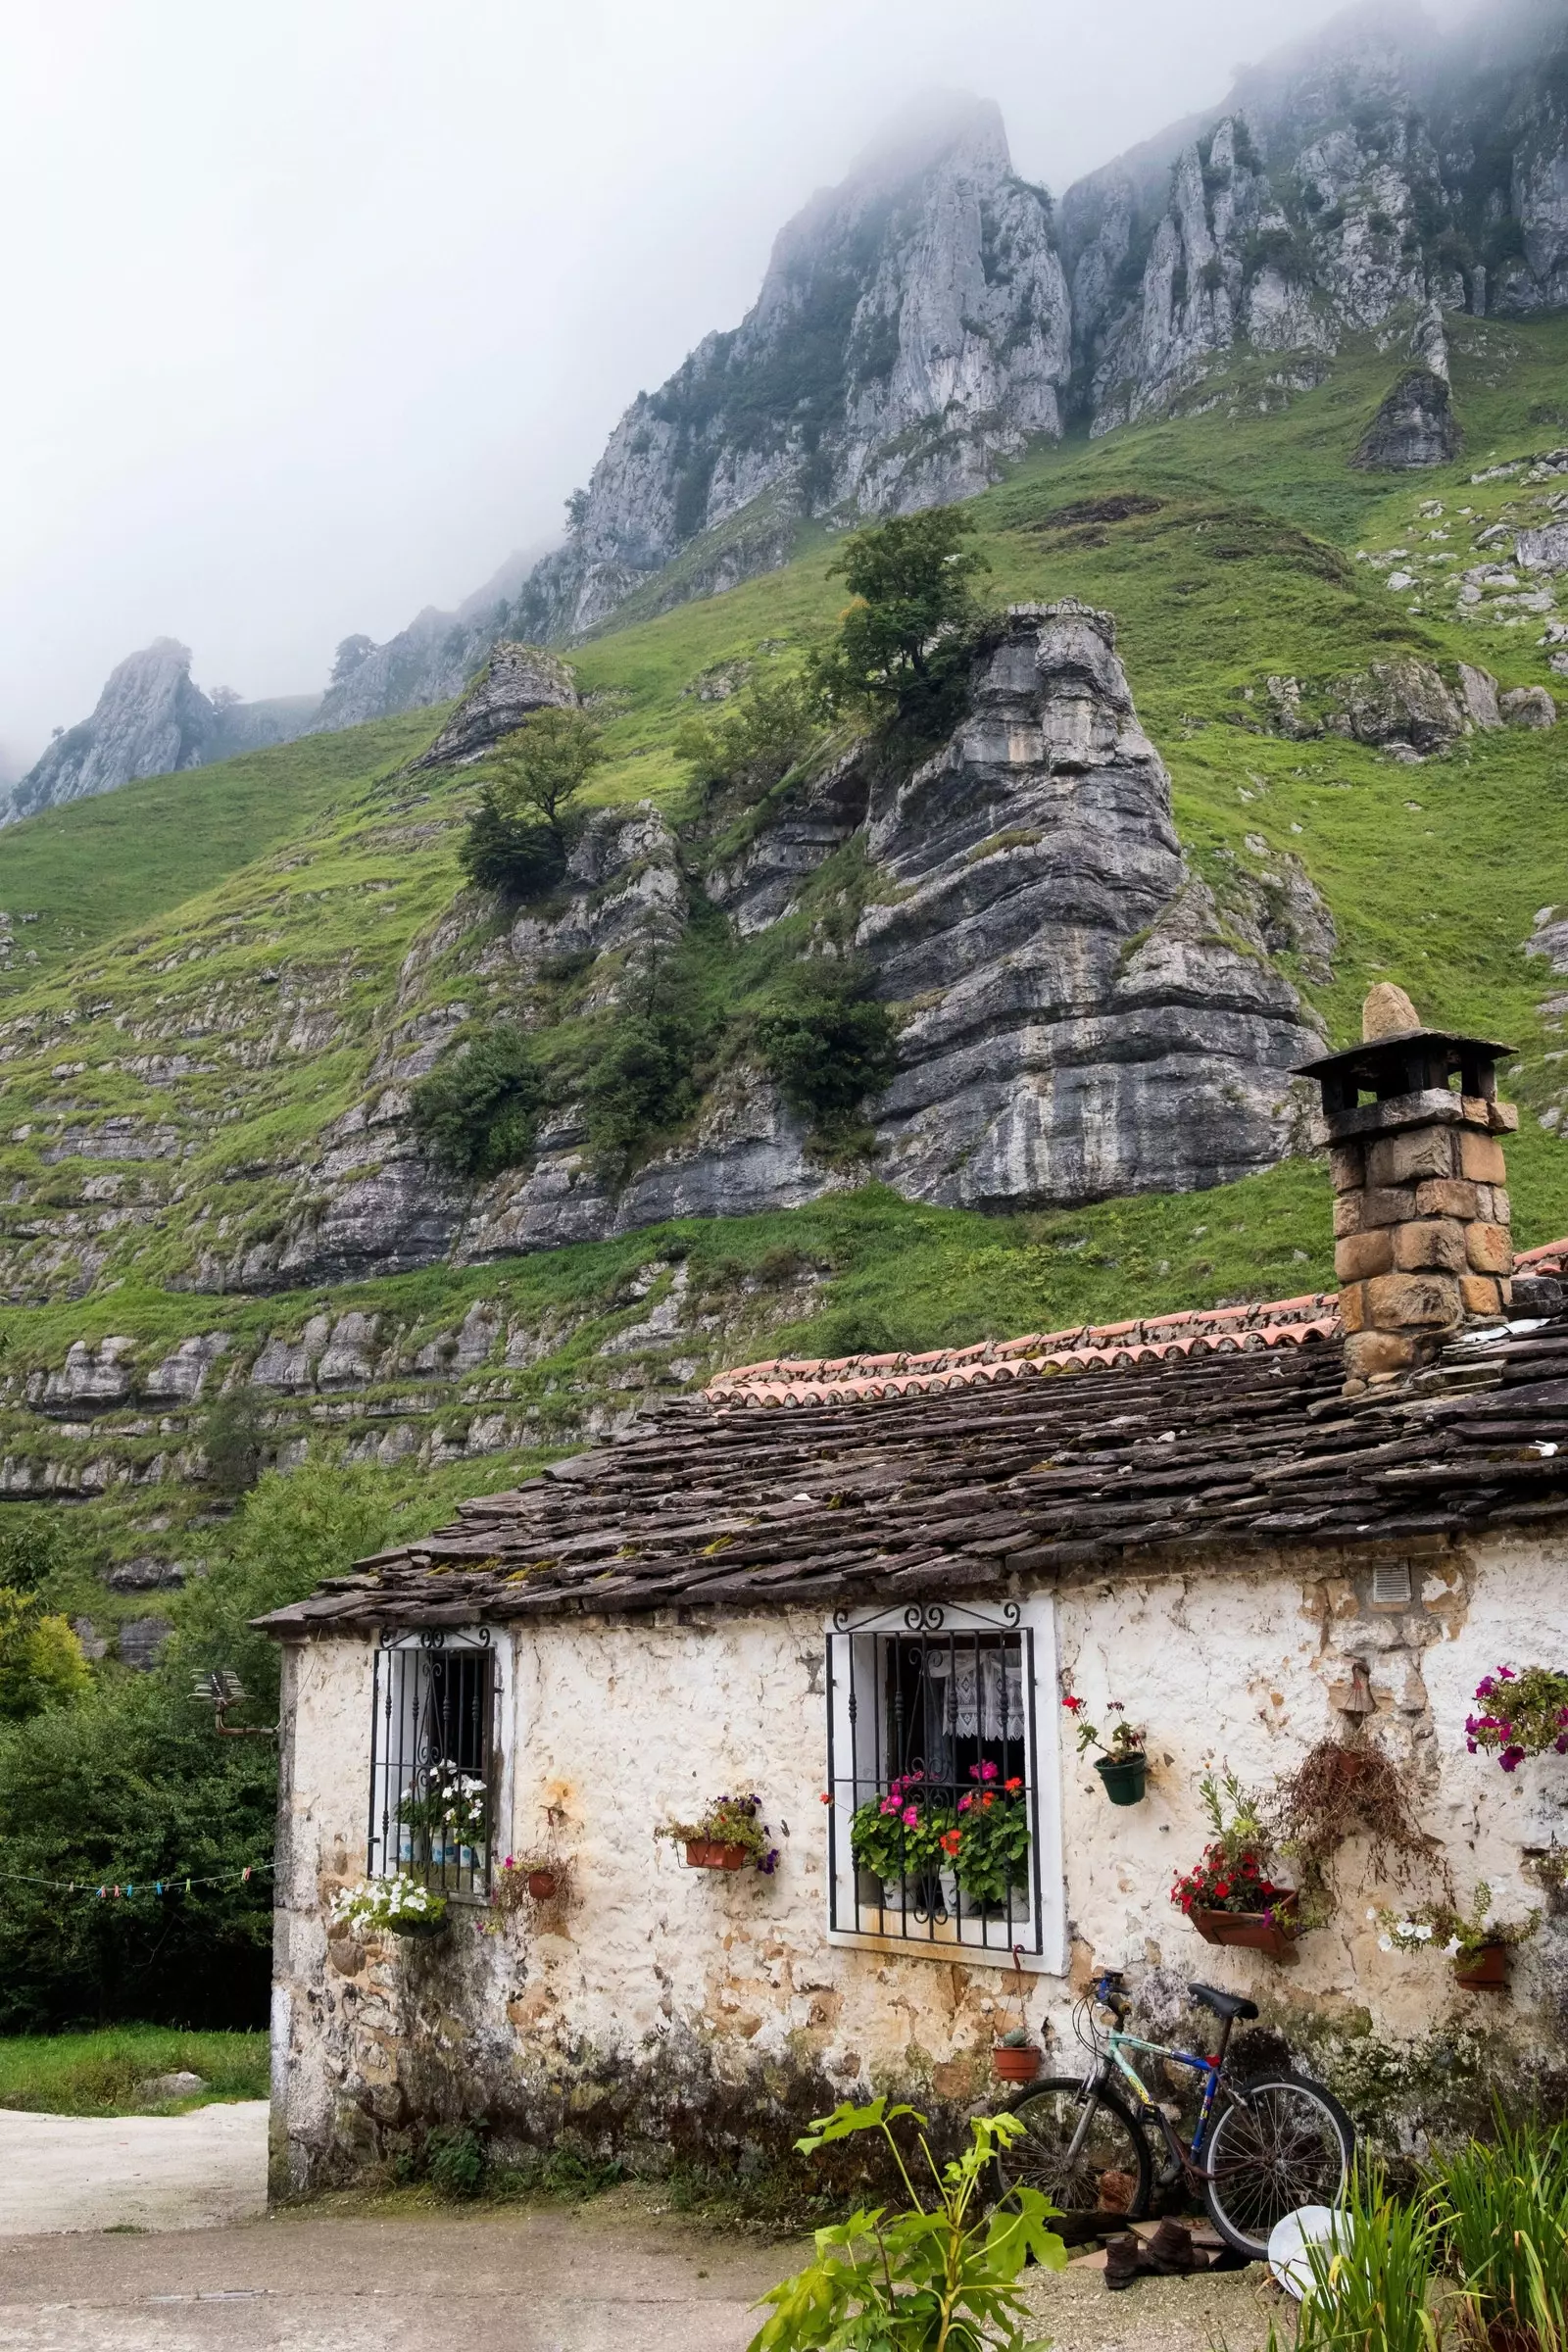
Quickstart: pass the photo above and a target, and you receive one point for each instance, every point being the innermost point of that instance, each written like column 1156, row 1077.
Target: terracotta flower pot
column 1011, row 2064
column 707, row 1853
column 1483, row 1971
column 543, row 1885
column 1252, row 1931
column 1124, row 1776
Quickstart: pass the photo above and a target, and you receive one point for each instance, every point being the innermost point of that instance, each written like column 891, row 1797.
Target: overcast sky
column 315, row 310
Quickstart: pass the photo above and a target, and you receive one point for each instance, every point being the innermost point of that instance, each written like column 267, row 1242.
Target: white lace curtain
column 982, row 1693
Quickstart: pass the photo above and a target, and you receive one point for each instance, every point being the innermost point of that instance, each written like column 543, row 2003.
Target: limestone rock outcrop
column 1414, row 428
column 151, row 720
column 515, row 680
column 1080, row 1016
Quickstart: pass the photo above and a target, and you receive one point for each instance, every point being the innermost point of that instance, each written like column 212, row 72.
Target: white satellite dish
column 1288, row 2239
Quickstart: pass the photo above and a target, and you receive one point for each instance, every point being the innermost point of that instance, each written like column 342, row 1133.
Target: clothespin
column 244, row 1876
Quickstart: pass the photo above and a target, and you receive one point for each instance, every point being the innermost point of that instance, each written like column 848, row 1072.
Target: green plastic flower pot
column 1124, row 1778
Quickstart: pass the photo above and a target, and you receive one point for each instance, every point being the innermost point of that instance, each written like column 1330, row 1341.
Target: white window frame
column 991, row 1946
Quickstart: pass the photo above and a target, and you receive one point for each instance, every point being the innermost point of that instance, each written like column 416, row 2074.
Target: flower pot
column 543, row 1885
column 707, row 1853
column 869, row 1893
column 1124, row 1778
column 983, row 1907
column 416, row 1927
column 1010, row 2064
column 1483, row 1971
column 1252, row 1931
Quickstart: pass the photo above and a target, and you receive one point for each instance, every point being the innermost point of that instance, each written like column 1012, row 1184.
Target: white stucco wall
column 704, row 1987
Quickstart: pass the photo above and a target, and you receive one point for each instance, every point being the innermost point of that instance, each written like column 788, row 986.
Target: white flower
column 1452, row 1946
column 1371, row 1915
column 1425, row 1934
column 1384, row 1944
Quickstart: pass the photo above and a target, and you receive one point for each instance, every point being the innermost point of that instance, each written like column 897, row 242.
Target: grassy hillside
column 214, row 949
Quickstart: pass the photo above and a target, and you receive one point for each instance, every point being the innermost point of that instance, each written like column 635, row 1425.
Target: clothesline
column 169, row 1882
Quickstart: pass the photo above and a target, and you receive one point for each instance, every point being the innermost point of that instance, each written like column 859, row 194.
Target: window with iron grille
column 938, row 1832
column 434, row 1782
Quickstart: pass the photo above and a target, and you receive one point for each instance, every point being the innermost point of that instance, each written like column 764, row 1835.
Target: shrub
column 478, row 1108
column 828, row 1045
column 517, row 857
column 1370, row 2283
column 455, row 2159
column 231, row 1442
column 35, row 1547
column 903, row 646
column 641, row 1084
column 41, row 1661
column 756, row 739
column 1503, row 2213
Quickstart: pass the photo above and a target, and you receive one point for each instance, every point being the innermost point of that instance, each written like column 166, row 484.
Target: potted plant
column 988, row 1843
column 397, row 1906
column 898, row 1843
column 1123, row 1766
column 1015, row 2058
column 535, row 1878
column 1229, row 1895
column 445, row 1817
column 1526, row 1715
column 1477, row 1944
column 726, row 1836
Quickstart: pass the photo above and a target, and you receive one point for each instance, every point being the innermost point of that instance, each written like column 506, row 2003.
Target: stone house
column 1256, row 1527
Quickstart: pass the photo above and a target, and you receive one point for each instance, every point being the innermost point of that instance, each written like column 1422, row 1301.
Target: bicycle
column 1260, row 2149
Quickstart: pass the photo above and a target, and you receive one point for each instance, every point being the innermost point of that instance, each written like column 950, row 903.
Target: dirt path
column 137, row 2172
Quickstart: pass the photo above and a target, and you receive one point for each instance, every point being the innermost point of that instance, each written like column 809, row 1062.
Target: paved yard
column 147, row 2235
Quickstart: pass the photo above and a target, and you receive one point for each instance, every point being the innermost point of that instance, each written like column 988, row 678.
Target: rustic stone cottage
column 1258, row 1528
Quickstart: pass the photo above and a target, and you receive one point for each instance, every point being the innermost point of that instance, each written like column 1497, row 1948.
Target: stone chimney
column 1422, row 1240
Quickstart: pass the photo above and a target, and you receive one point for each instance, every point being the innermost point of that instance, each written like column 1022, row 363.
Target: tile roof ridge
column 1311, row 1316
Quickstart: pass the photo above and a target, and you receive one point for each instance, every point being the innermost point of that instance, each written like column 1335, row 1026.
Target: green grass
column 97, row 2074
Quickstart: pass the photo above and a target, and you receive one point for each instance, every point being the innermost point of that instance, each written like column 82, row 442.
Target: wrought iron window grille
column 934, row 1825
column 434, row 1768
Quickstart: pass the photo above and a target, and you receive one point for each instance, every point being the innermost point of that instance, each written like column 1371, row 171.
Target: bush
column 903, row 646
column 757, row 739
column 35, row 1547
column 478, row 1108
column 828, row 1045
column 231, row 1443
column 642, row 1084
column 41, row 1661
column 514, row 856
column 455, row 2159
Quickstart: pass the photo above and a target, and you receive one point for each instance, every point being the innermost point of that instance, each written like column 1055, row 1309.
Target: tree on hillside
column 905, row 641
column 351, row 652
column 41, row 1660
column 754, row 738
column 519, row 835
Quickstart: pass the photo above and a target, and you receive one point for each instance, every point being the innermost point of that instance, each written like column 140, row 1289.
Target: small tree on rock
column 519, row 835
column 903, row 645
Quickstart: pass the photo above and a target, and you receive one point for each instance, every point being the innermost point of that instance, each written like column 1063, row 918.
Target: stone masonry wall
column 658, row 2010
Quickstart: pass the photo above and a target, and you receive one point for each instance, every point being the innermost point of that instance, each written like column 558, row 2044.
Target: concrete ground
column 147, row 2234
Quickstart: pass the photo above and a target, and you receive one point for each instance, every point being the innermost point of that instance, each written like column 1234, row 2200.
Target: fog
column 316, row 311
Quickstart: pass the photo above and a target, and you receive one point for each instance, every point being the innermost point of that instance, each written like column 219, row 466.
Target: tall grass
column 98, row 2074
column 1503, row 2207
column 1371, row 2287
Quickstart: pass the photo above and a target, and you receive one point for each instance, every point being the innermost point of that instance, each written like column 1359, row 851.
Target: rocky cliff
column 1078, row 1017
column 429, row 661
column 151, row 720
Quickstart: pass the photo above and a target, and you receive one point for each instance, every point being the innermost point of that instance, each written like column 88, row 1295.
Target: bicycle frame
column 1187, row 2153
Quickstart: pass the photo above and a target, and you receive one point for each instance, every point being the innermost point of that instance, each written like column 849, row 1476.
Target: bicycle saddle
column 1223, row 2004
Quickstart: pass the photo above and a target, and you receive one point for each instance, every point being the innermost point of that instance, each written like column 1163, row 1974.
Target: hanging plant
column 395, row 1906
column 728, row 1835
column 1526, row 1715
column 1123, row 1765
column 1339, row 1792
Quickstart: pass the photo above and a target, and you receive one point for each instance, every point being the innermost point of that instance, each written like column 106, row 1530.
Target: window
column 434, row 1777
column 944, row 1827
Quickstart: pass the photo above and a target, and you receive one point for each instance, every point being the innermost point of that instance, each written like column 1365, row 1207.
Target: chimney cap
column 1375, row 1053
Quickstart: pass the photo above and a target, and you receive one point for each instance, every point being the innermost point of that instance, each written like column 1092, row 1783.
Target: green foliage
column 938, row 2276
column 755, row 738
column 455, row 2160
column 233, row 1441
column 828, row 1044
column 513, row 855
column 36, row 1548
column 1501, row 2208
column 642, row 1084
column 98, row 2074
column 1372, row 2282
column 478, row 1107
column 543, row 765
column 41, row 1663
column 903, row 645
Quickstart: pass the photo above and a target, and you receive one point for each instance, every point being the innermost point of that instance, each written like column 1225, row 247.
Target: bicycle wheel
column 1111, row 2171
column 1280, row 2143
